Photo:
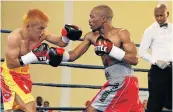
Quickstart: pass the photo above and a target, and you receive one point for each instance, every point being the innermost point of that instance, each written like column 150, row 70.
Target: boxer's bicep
column 129, row 47
column 13, row 51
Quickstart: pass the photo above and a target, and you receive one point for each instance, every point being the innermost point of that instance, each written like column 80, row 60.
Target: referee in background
column 158, row 39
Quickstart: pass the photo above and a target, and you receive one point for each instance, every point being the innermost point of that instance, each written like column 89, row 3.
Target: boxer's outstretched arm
column 129, row 47
column 56, row 40
column 12, row 51
column 69, row 32
column 80, row 49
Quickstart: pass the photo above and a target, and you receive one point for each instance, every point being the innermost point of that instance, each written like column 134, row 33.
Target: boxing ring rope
column 73, row 109
column 81, row 86
column 5, row 31
column 60, row 108
column 76, row 85
column 87, row 66
column 9, row 31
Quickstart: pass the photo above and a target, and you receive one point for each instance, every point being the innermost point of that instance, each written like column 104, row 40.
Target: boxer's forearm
column 131, row 58
column 61, row 44
column 73, row 56
column 69, row 56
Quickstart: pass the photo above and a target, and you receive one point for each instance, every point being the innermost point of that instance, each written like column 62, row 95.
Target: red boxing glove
column 103, row 46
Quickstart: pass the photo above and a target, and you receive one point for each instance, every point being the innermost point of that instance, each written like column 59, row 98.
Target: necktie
column 164, row 25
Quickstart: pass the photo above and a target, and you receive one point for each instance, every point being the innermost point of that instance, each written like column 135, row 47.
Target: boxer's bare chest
column 27, row 46
column 114, row 38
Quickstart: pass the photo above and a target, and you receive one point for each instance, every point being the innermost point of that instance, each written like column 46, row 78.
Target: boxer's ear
column 167, row 14
column 104, row 18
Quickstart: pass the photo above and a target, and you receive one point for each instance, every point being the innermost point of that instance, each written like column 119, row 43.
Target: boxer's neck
column 105, row 30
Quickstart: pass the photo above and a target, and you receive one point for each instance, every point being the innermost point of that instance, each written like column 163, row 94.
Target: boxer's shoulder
column 15, row 36
column 123, row 33
column 122, row 30
column 117, row 31
column 16, row 33
column 91, row 36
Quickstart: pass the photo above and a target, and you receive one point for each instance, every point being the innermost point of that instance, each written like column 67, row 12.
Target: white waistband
column 118, row 71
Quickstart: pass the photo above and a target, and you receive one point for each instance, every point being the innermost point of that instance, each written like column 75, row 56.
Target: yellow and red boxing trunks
column 15, row 81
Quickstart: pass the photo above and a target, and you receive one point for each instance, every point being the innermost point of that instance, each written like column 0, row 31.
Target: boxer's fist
column 41, row 52
column 71, row 32
column 103, row 46
column 55, row 55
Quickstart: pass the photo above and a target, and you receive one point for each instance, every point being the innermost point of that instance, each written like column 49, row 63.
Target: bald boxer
column 24, row 47
column 118, row 53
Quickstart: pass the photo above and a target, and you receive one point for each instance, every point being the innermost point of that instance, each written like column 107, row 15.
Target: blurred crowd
column 40, row 103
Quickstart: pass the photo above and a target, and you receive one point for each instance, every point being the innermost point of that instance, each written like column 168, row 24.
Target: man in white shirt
column 158, row 39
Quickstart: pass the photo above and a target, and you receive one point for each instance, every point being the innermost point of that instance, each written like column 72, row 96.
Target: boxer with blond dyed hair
column 23, row 48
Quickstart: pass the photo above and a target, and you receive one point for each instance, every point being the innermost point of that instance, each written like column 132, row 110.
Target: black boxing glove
column 106, row 47
column 70, row 32
column 55, row 56
column 39, row 54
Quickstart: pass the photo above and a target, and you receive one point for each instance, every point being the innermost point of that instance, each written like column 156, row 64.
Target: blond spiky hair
column 35, row 15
